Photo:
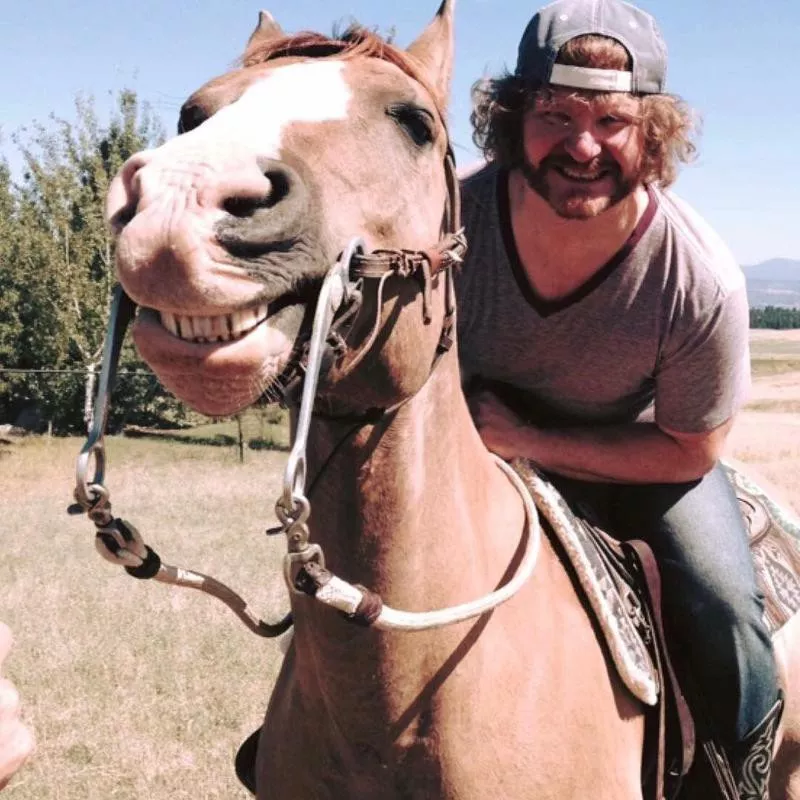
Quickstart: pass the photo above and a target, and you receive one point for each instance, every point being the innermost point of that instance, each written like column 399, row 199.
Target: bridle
column 337, row 307
column 355, row 266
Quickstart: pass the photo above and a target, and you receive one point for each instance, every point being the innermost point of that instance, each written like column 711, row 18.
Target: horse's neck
column 415, row 509
column 415, row 491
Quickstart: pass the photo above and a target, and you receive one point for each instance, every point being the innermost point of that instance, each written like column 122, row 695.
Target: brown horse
column 224, row 236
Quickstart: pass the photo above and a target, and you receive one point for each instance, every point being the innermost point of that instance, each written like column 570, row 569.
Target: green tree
column 10, row 324
column 775, row 317
column 58, row 275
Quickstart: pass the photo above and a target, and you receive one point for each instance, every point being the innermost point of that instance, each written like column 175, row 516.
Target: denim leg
column 712, row 606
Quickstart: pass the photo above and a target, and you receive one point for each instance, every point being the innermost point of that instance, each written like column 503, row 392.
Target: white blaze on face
column 314, row 91
column 179, row 191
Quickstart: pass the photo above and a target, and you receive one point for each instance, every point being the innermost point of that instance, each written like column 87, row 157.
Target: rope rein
column 119, row 542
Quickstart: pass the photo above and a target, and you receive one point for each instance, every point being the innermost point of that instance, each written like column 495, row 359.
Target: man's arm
column 638, row 452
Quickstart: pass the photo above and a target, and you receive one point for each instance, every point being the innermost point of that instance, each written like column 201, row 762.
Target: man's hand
column 16, row 739
column 500, row 428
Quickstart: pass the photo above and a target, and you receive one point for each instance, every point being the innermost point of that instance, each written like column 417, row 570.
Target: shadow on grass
column 781, row 406
column 773, row 366
column 217, row 440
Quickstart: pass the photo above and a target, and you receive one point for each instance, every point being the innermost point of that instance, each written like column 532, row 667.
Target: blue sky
column 734, row 62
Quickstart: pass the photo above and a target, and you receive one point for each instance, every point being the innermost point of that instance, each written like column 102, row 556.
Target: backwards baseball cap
column 556, row 24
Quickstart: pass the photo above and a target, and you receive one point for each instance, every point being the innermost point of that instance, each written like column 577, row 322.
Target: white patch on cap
column 313, row 91
column 598, row 80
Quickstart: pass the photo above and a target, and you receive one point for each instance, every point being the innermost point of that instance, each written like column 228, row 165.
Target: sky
column 734, row 62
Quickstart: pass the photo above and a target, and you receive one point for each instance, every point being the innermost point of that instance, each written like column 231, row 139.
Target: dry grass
column 767, row 432
column 775, row 352
column 137, row 690
column 769, row 443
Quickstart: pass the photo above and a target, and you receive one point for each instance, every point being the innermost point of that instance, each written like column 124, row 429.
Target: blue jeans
column 712, row 606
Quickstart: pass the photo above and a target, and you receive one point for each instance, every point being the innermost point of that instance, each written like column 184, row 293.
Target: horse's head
column 226, row 231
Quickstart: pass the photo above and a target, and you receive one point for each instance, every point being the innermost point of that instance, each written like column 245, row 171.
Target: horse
column 311, row 147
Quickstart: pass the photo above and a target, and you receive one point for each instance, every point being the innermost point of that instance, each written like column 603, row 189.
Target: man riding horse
column 591, row 296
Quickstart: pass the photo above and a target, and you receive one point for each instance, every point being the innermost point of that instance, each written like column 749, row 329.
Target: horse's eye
column 417, row 122
column 190, row 118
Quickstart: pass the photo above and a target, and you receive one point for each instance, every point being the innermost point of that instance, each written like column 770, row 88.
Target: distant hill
column 782, row 294
column 774, row 283
column 776, row 269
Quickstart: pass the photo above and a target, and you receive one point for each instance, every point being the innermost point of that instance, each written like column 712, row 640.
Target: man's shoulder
column 695, row 242
column 480, row 214
column 478, row 178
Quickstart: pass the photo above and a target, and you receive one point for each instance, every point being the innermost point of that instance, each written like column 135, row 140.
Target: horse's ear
column 266, row 30
column 433, row 50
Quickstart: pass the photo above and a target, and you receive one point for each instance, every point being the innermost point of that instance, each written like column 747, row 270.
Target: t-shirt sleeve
column 704, row 374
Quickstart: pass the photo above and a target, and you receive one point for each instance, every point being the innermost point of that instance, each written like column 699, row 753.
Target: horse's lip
column 148, row 321
column 218, row 378
column 229, row 325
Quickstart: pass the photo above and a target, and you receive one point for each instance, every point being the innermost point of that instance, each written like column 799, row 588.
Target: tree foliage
column 775, row 317
column 56, row 267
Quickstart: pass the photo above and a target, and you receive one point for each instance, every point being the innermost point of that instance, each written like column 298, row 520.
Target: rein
column 304, row 564
column 116, row 539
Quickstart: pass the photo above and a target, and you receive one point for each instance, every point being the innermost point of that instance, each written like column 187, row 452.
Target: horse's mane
column 355, row 41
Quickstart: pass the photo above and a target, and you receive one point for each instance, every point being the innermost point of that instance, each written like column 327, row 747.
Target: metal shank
column 121, row 313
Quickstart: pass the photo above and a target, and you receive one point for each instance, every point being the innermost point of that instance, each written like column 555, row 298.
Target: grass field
column 139, row 691
column 767, row 433
column 135, row 689
column 774, row 352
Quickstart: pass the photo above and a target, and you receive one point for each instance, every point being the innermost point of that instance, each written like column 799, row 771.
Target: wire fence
column 85, row 371
column 255, row 429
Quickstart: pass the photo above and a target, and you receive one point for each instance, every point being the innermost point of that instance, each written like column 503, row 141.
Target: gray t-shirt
column 664, row 324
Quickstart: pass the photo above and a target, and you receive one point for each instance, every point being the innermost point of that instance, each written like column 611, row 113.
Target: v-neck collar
column 547, row 307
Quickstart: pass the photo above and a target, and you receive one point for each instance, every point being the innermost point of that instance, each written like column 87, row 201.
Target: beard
column 577, row 202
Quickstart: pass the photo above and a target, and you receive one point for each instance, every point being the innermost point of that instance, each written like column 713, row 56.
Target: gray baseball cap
column 555, row 24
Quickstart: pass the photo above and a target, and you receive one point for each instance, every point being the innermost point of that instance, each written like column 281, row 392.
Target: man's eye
column 615, row 122
column 417, row 122
column 556, row 120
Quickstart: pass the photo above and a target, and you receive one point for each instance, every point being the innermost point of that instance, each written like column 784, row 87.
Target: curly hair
column 500, row 104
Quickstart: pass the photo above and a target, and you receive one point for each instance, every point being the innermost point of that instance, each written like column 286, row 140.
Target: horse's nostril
column 122, row 217
column 245, row 207
column 280, row 185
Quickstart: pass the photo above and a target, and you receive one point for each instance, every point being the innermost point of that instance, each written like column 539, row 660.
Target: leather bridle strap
column 423, row 265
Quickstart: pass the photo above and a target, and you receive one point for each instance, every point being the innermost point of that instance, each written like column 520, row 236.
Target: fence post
column 241, row 438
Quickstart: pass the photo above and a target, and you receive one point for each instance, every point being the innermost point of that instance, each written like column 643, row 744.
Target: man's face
column 582, row 152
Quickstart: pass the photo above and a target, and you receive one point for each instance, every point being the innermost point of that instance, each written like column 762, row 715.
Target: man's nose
column 583, row 146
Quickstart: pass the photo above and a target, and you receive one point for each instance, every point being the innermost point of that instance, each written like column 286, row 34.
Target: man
column 16, row 740
column 611, row 325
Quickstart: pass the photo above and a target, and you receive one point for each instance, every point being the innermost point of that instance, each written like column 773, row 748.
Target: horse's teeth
column 220, row 328
column 170, row 323
column 203, row 326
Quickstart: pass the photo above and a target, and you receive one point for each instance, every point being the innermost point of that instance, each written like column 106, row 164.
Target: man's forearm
column 630, row 453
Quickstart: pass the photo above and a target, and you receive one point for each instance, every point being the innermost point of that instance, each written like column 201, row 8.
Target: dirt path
column 776, row 387
column 769, row 441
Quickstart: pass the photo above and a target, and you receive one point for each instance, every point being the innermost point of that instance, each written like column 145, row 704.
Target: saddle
column 775, row 547
column 619, row 585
